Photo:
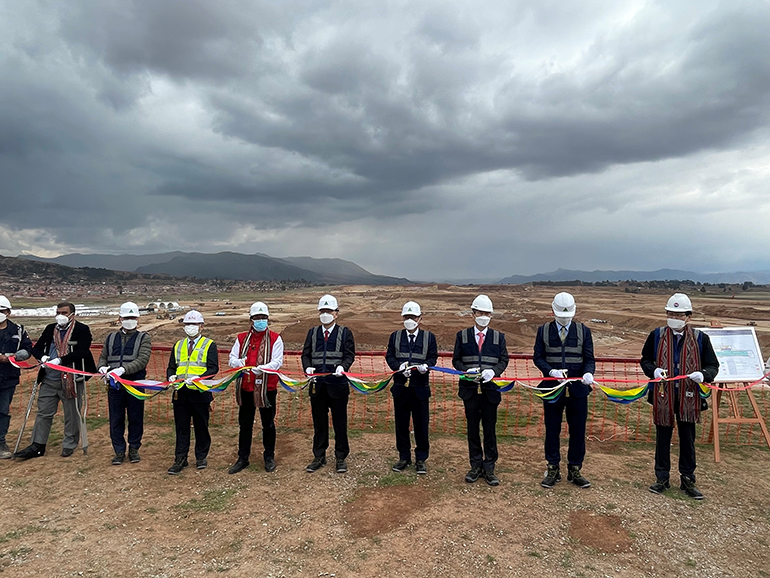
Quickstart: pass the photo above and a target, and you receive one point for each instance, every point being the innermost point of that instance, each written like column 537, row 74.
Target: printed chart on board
column 738, row 352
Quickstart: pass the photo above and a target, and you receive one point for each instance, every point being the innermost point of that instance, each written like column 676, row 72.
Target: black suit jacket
column 488, row 349
column 419, row 381
column 336, row 387
column 79, row 356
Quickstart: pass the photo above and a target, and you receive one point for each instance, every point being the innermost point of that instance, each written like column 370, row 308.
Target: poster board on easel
column 740, row 362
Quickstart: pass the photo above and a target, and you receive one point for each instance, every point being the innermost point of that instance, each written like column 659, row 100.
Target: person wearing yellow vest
column 194, row 357
column 262, row 349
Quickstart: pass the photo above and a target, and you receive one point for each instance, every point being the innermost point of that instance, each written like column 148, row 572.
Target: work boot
column 34, row 450
column 239, row 465
column 473, row 475
column 574, row 476
column 420, row 468
column 316, row 464
column 119, row 458
column 660, row 486
column 400, row 465
column 5, row 453
column 552, row 475
column 270, row 464
column 342, row 466
column 133, row 455
column 688, row 487
column 491, row 478
column 67, row 452
column 179, row 465
column 201, row 464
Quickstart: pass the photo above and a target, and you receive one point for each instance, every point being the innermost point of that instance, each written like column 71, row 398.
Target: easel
column 736, row 415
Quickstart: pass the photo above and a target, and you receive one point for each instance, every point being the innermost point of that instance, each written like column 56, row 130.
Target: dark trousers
column 184, row 410
column 246, row 414
column 663, row 436
column 405, row 407
column 479, row 410
column 6, row 397
column 120, row 404
column 320, row 405
column 576, row 409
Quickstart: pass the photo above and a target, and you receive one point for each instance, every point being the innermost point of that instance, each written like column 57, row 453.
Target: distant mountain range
column 229, row 265
column 756, row 277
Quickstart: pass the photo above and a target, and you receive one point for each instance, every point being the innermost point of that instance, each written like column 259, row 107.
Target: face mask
column 259, row 324
column 676, row 324
column 483, row 320
column 410, row 324
column 129, row 324
column 62, row 320
column 191, row 330
column 3, row 317
column 563, row 321
column 326, row 318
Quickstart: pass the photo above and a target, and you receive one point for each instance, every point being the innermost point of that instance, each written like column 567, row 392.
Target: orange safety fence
column 520, row 412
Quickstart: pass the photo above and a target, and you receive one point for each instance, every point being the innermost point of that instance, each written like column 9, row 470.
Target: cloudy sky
column 430, row 139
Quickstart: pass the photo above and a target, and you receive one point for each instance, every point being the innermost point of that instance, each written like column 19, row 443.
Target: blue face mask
column 259, row 324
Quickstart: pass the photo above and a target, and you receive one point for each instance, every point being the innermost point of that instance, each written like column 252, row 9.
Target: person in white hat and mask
column 329, row 349
column 14, row 344
column 261, row 348
column 194, row 357
column 564, row 348
column 411, row 347
column 677, row 349
column 125, row 354
column 483, row 351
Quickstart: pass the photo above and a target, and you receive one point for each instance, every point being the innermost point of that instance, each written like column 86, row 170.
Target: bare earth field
column 80, row 516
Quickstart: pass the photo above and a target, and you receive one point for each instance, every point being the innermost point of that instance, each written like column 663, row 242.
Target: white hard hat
column 193, row 316
column 482, row 303
column 258, row 308
column 328, row 302
column 411, row 308
column 679, row 302
column 4, row 303
column 563, row 305
column 129, row 309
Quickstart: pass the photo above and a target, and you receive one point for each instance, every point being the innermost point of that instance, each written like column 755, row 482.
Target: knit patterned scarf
column 264, row 354
column 60, row 341
column 689, row 361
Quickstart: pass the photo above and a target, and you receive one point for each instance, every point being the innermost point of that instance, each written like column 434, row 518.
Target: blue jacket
column 399, row 353
column 13, row 339
column 586, row 363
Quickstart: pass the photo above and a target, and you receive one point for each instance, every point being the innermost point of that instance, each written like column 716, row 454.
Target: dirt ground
column 80, row 516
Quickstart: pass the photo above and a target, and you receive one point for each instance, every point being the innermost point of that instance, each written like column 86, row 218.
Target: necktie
column 562, row 333
column 326, row 334
column 411, row 342
column 190, row 346
column 481, row 341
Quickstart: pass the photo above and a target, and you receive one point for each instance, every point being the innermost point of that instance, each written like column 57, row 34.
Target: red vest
column 247, row 383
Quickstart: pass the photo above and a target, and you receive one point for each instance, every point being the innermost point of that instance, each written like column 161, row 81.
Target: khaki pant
column 51, row 392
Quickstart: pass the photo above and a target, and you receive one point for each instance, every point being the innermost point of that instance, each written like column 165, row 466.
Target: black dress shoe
column 270, row 464
column 133, row 455
column 473, row 475
column 238, row 466
column 67, row 452
column 342, row 466
column 491, row 478
column 688, row 487
column 316, row 465
column 31, row 451
column 179, row 465
column 119, row 458
column 400, row 465
column 420, row 467
column 660, row 486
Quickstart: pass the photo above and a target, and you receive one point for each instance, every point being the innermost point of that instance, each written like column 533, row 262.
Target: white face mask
column 129, row 324
column 326, row 318
column 3, row 317
column 62, row 320
column 483, row 320
column 563, row 321
column 191, row 330
column 676, row 324
column 410, row 324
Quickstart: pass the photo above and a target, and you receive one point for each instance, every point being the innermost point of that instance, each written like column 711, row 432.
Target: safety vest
column 321, row 357
column 483, row 361
column 563, row 354
column 409, row 356
column 191, row 364
column 119, row 352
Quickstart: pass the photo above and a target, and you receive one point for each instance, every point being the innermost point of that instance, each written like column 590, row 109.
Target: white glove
column 309, row 370
column 658, row 373
column 118, row 371
column 239, row 363
column 188, row 380
column 339, row 371
column 403, row 366
column 403, row 369
column 473, row 370
column 696, row 376
column 257, row 370
column 104, row 369
column 560, row 373
column 44, row 359
column 423, row 368
column 487, row 375
column 54, row 361
column 588, row 378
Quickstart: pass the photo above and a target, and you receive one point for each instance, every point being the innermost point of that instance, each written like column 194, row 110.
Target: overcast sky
column 420, row 139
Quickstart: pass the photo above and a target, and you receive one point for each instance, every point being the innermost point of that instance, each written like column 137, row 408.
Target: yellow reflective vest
column 191, row 364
